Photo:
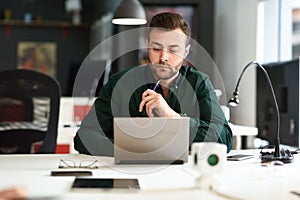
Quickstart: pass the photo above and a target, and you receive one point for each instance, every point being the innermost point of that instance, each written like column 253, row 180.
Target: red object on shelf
column 62, row 149
column 80, row 111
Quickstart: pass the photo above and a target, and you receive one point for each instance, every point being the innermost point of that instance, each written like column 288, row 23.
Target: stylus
column 156, row 85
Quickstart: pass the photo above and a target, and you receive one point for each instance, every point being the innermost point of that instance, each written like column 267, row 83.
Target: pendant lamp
column 130, row 12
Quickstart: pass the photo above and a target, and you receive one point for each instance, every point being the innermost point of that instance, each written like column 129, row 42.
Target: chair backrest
column 29, row 111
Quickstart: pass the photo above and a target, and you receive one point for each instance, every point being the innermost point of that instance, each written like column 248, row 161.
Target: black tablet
column 106, row 183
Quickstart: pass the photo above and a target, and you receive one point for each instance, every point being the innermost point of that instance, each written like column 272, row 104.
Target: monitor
column 285, row 80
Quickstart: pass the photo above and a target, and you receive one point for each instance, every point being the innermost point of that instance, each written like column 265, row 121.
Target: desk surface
column 241, row 179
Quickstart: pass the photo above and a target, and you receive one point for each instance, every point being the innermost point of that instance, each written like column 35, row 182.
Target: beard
column 164, row 71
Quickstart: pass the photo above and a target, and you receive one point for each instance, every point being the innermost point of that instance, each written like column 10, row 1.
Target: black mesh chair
column 29, row 111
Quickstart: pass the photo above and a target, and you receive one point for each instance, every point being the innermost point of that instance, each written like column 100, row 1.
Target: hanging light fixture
column 130, row 12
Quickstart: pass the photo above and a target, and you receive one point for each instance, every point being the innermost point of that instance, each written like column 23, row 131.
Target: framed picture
column 39, row 56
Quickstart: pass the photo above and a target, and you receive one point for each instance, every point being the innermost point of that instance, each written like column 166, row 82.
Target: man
column 181, row 91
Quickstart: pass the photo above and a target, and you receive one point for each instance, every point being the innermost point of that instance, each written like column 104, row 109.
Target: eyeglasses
column 90, row 164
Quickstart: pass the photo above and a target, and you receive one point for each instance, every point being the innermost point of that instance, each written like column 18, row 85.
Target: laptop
column 145, row 140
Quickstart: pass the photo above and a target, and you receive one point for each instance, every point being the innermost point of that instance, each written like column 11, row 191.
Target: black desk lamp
column 280, row 155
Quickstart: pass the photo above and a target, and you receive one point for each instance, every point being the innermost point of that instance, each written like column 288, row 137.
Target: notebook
column 157, row 140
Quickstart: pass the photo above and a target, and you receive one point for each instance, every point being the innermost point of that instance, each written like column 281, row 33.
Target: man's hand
column 154, row 102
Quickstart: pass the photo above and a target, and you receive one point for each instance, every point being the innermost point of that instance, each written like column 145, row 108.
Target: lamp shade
column 73, row 5
column 130, row 12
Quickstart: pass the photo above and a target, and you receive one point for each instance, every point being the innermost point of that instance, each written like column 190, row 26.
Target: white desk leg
column 238, row 140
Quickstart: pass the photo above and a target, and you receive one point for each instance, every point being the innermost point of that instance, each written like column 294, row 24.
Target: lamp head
column 130, row 12
column 234, row 100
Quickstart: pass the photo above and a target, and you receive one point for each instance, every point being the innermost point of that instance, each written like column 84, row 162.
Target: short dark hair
column 170, row 21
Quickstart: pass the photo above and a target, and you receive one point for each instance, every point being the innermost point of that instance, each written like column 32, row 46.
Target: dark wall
column 202, row 22
column 45, row 9
column 55, row 9
column 72, row 42
column 72, row 47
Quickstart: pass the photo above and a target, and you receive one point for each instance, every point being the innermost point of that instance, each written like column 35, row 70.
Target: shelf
column 49, row 24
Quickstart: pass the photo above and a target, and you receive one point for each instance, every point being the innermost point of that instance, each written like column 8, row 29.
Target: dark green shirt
column 191, row 95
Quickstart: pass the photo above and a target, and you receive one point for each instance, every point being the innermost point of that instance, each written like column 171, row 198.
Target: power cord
column 296, row 151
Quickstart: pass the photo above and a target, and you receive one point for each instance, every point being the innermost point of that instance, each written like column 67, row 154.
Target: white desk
column 238, row 131
column 66, row 136
column 243, row 179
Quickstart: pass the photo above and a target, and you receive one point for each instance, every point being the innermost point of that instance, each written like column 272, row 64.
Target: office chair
column 29, row 111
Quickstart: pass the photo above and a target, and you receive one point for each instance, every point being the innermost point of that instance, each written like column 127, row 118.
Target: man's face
column 167, row 50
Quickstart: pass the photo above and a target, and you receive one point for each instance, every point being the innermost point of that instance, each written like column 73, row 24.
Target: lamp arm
column 277, row 142
column 240, row 78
